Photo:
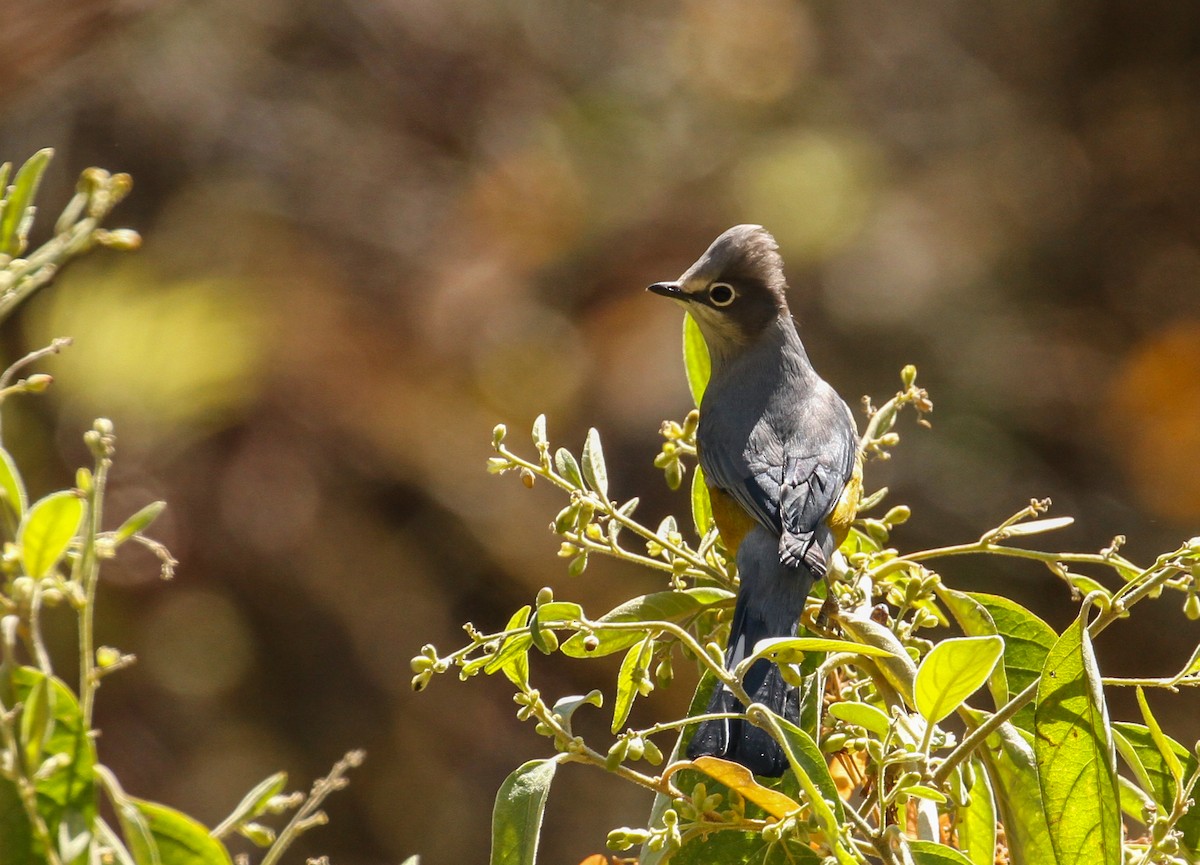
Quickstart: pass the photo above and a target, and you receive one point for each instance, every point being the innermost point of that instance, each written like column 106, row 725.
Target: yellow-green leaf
column 1075, row 756
column 47, row 531
column 702, row 515
column 952, row 671
column 12, row 489
column 696, row 362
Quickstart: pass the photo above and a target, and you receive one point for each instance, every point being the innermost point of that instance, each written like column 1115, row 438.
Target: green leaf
column 696, row 362
column 1012, row 768
column 976, row 621
column 544, row 639
column 1141, row 753
column 977, row 821
column 1027, row 641
column 633, row 678
column 791, row 649
column 47, row 531
column 1134, row 801
column 897, row 668
column 139, row 522
column 517, row 816
column 812, row 772
column 36, row 723
column 513, row 657
column 594, row 470
column 16, row 835
column 564, row 709
column 17, row 215
column 255, row 802
column 920, row 791
column 565, row 465
column 864, row 715
column 66, row 795
column 1161, row 742
column 539, row 432
column 655, row 607
column 158, row 835
column 554, row 612
column 932, row 853
column 12, row 489
column 952, row 671
column 702, row 515
column 731, row 847
column 1036, row 527
column 1075, row 757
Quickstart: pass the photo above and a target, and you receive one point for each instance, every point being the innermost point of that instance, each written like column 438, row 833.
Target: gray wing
column 790, row 486
column 810, row 490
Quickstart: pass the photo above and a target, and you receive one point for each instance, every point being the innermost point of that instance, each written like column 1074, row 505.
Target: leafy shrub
column 52, row 779
column 876, row 773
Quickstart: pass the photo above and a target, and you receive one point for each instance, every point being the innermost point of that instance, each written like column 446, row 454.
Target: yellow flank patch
column 847, row 505
column 732, row 522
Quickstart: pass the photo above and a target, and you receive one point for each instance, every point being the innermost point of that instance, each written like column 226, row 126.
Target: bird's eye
column 721, row 294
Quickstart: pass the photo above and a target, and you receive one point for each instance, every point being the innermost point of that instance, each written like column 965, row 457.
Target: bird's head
column 735, row 291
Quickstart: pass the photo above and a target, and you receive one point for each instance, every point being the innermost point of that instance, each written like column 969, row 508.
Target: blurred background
column 374, row 228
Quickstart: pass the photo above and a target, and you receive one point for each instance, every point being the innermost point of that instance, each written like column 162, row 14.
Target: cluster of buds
column 680, row 441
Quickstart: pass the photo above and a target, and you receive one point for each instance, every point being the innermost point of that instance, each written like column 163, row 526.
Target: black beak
column 669, row 289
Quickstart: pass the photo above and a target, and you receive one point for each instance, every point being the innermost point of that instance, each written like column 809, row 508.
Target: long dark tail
column 769, row 604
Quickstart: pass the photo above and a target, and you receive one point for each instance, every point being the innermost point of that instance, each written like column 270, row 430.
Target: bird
column 780, row 454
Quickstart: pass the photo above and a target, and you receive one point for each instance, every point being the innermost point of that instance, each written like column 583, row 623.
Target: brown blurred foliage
column 376, row 227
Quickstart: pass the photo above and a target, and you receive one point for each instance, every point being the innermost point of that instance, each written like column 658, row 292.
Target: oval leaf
column 517, row 815
column 737, row 777
column 47, row 531
column 255, row 802
column 1036, row 527
column 164, row 836
column 1075, row 756
column 594, row 471
column 863, row 715
column 140, row 521
column 932, row 853
column 702, row 515
column 788, row 649
column 952, row 671
column 696, row 362
column 976, row 621
column 897, row 668
column 812, row 772
column 12, row 489
column 630, row 680
column 655, row 607
column 14, row 223
column 1012, row 768
column 1161, row 742
column 1139, row 750
column 977, row 821
column 565, row 465
column 1027, row 641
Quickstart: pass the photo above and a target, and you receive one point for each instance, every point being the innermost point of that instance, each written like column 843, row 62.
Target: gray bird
column 779, row 449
